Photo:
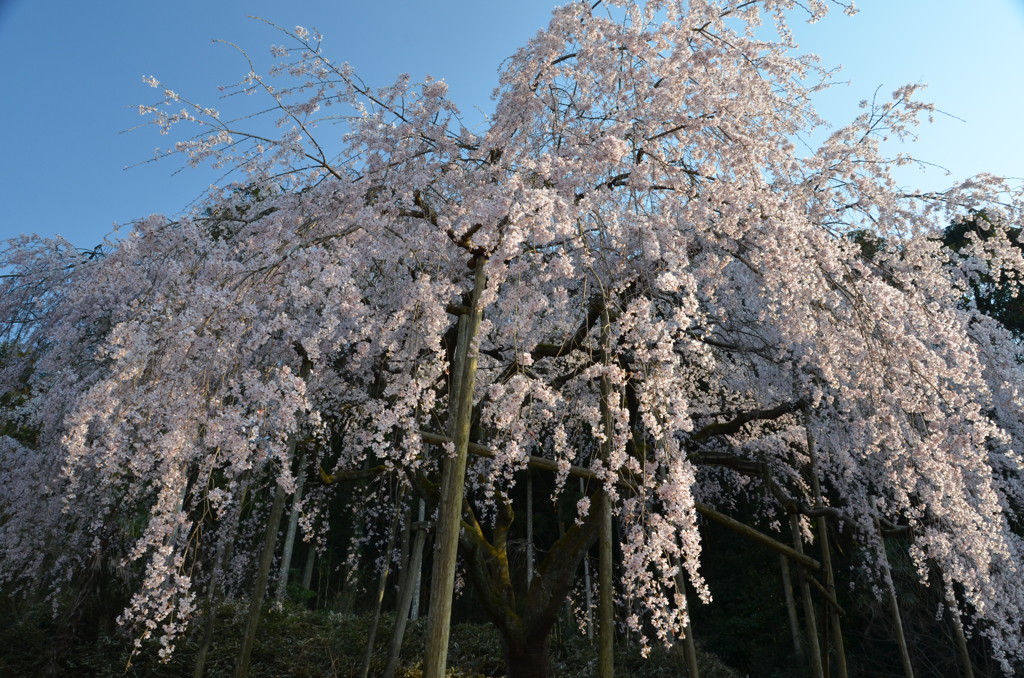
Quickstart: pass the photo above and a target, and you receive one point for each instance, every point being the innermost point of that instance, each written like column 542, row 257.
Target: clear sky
column 70, row 73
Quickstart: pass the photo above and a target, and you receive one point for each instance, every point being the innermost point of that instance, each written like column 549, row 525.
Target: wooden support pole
column 225, row 550
column 961, row 643
column 289, row 539
column 421, row 538
column 810, row 619
column 307, row 573
column 832, row 611
column 449, row 509
column 606, row 589
column 266, row 556
column 689, row 648
column 382, row 585
column 262, row 575
column 894, row 607
column 408, row 587
column 794, row 622
column 529, row 529
column 795, row 554
column 588, row 587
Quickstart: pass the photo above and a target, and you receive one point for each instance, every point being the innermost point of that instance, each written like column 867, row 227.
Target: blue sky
column 70, row 73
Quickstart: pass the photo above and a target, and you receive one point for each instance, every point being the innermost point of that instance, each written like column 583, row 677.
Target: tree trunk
column 527, row 658
column 525, row 622
column 450, row 505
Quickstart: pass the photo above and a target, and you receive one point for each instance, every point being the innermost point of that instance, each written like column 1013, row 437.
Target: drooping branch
column 737, row 422
column 624, row 482
column 792, row 505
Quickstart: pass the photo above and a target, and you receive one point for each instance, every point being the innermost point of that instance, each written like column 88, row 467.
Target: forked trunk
column 525, row 621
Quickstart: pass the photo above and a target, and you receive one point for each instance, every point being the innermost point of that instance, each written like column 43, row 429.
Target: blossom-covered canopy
column 645, row 216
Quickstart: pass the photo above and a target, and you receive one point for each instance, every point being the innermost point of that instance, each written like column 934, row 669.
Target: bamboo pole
column 450, row 506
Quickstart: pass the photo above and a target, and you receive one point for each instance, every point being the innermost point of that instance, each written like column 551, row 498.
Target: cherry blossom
column 646, row 225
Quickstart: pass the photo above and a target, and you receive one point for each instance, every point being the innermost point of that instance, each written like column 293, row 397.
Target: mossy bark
column 525, row 622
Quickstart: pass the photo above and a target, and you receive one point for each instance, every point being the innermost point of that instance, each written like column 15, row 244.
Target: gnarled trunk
column 527, row 657
column 525, row 622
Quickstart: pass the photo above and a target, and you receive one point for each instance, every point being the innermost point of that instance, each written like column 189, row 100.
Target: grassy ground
column 299, row 643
